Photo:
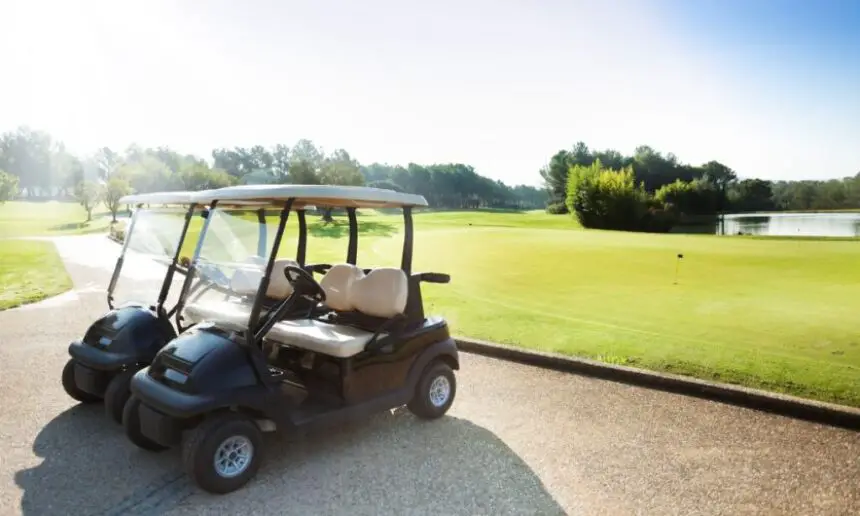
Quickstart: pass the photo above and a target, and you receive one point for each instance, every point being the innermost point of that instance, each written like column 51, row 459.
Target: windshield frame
column 263, row 210
column 172, row 266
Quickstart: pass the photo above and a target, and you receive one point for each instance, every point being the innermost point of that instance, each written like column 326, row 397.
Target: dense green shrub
column 556, row 208
column 603, row 198
column 697, row 197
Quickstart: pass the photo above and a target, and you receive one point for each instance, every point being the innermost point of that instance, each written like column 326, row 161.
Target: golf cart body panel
column 294, row 358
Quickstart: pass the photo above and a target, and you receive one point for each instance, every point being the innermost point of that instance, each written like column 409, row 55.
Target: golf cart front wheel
column 223, row 453
column 131, row 423
column 72, row 388
column 118, row 393
column 435, row 392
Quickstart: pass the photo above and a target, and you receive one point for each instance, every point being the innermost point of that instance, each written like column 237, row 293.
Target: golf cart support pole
column 168, row 279
column 189, row 276
column 301, row 251
column 261, row 236
column 264, row 282
column 352, row 250
column 406, row 261
column 119, row 261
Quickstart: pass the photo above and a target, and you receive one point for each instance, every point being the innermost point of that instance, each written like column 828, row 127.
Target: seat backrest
column 338, row 283
column 383, row 292
column 246, row 281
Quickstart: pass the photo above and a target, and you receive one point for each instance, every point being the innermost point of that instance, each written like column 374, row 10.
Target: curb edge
column 773, row 402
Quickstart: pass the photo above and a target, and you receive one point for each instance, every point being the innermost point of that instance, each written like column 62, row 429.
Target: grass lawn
column 23, row 218
column 770, row 313
column 30, row 270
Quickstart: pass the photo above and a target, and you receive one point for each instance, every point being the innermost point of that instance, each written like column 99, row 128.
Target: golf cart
column 128, row 336
column 366, row 346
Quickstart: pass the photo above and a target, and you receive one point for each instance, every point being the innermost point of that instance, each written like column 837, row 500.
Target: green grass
column 24, row 218
column 771, row 313
column 30, row 270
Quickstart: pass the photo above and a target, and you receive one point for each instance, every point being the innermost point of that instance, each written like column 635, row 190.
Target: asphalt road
column 518, row 441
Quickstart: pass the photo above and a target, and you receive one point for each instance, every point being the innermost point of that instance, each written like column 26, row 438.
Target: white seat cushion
column 214, row 311
column 381, row 293
column 329, row 339
column 337, row 284
column 246, row 281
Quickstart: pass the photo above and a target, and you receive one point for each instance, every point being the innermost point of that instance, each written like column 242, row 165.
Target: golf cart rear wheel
column 118, row 393
column 435, row 391
column 223, row 453
column 131, row 423
column 71, row 387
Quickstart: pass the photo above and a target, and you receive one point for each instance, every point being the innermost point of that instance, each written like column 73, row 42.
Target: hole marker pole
column 677, row 267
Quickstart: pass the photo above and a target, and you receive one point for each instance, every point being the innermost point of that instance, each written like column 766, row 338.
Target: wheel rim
column 440, row 391
column 233, row 456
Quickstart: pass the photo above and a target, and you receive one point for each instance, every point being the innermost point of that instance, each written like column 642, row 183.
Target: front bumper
column 92, row 381
column 170, row 401
column 99, row 359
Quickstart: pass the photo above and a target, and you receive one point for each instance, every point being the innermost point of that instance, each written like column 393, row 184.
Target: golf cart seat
column 381, row 294
column 244, row 282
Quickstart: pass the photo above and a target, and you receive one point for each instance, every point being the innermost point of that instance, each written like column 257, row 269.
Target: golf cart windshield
column 151, row 240
column 233, row 252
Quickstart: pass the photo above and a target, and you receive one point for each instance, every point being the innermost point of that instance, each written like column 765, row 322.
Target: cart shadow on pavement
column 87, row 462
column 392, row 463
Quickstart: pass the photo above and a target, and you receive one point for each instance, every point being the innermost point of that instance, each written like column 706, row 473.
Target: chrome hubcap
column 234, row 456
column 440, row 390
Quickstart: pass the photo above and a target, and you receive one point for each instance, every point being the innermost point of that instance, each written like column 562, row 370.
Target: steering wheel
column 304, row 283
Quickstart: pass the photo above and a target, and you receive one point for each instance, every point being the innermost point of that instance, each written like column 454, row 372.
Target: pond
column 822, row 224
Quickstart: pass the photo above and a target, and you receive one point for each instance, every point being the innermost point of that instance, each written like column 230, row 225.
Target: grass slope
column 24, row 218
column 30, row 270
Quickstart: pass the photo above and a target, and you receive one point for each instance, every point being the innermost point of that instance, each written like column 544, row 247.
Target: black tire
column 422, row 405
column 199, row 451
column 131, row 423
column 71, row 387
column 118, row 393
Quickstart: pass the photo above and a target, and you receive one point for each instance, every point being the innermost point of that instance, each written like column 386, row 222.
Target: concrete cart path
column 518, row 441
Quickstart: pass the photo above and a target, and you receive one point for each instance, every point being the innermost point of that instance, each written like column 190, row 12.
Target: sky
column 771, row 88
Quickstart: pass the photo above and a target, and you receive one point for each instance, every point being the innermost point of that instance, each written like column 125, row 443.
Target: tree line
column 652, row 191
column 33, row 164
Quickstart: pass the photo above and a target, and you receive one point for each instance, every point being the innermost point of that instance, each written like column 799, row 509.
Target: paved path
column 518, row 441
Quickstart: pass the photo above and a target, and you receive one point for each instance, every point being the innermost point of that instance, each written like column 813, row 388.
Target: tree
column 26, row 154
column 106, row 161
column 752, row 195
column 8, row 187
column 198, row 176
column 339, row 169
column 114, row 190
column 87, row 194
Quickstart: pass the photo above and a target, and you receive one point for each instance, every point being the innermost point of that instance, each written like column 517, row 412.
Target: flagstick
column 677, row 267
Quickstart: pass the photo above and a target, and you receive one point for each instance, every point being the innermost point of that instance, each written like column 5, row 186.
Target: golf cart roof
column 308, row 195
column 159, row 198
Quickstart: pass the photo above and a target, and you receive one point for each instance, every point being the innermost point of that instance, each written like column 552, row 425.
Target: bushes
column 557, row 208
column 697, row 197
column 8, row 186
column 603, row 198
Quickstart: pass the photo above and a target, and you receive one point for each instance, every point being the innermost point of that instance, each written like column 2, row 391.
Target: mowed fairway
column 778, row 314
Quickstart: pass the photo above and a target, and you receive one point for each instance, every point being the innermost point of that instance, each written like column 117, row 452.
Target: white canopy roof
column 158, row 198
column 305, row 195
